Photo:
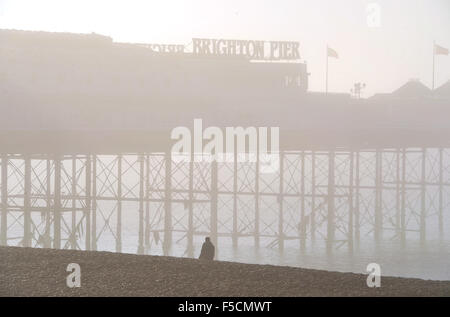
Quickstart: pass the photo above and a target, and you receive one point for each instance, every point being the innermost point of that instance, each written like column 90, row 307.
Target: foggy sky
column 384, row 57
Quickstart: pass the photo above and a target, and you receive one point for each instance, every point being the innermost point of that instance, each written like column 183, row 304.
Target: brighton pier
column 85, row 152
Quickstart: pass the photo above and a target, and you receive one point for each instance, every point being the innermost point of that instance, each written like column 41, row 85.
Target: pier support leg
column 119, row 205
column 141, row 204
column 147, row 203
column 4, row 201
column 94, row 204
column 48, row 201
column 441, row 195
column 57, row 208
column 403, row 201
column 313, row 197
column 378, row 197
column 73, row 234
column 302, row 204
column 27, row 203
column 397, row 196
column 257, row 211
column 190, row 206
column 168, row 205
column 235, row 213
column 356, row 206
column 423, row 190
column 214, row 203
column 350, row 205
column 280, row 201
column 87, row 210
column 331, row 209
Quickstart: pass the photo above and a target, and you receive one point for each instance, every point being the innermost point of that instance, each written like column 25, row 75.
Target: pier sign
column 166, row 48
column 255, row 50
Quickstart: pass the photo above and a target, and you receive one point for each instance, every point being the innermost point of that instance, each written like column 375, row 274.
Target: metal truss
column 337, row 197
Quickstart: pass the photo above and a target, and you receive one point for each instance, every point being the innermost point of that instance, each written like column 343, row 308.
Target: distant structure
column 90, row 64
column 443, row 92
column 414, row 89
column 99, row 95
column 357, row 88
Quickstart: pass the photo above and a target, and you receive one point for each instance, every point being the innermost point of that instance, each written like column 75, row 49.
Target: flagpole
column 326, row 76
column 434, row 55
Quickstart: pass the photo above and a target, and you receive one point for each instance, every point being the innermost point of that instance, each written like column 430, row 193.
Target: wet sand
column 42, row 272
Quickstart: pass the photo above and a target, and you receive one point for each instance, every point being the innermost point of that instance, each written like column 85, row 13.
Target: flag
column 332, row 53
column 439, row 50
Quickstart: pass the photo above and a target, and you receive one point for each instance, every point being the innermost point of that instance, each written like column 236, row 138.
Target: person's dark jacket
column 207, row 252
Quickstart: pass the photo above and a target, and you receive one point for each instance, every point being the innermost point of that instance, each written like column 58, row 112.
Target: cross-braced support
column 336, row 197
